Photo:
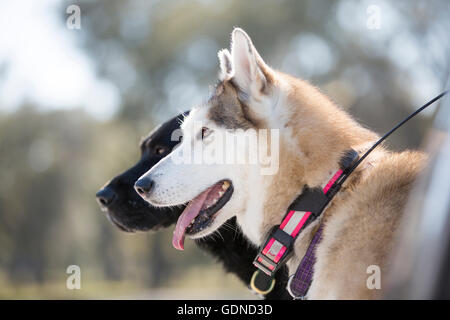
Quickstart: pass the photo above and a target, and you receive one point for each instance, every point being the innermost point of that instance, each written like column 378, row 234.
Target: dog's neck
column 312, row 144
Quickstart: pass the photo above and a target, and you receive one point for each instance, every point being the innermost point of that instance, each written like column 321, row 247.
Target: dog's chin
column 119, row 225
column 132, row 227
column 219, row 219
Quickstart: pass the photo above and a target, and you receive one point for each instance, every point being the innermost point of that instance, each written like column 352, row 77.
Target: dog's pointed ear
column 249, row 72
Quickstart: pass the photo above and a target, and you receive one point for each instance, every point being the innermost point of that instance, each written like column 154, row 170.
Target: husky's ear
column 226, row 65
column 249, row 70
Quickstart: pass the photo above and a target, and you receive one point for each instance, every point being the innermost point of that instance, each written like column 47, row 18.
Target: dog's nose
column 106, row 196
column 144, row 186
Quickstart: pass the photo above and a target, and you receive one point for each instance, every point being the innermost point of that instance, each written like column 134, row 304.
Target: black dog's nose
column 106, row 196
column 143, row 186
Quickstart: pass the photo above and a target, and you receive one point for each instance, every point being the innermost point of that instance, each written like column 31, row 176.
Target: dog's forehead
column 225, row 109
column 148, row 137
column 201, row 113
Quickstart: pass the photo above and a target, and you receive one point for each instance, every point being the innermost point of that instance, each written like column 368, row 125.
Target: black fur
column 126, row 209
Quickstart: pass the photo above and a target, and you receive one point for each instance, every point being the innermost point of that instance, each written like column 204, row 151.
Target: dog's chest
column 251, row 221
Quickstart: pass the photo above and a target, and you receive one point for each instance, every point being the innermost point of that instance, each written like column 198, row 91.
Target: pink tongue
column 192, row 210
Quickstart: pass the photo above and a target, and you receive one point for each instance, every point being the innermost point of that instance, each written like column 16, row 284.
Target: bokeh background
column 74, row 104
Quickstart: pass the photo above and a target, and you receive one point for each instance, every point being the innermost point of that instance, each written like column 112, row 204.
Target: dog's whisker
column 220, row 235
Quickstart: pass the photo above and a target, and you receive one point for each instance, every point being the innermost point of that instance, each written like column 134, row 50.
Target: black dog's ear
column 163, row 135
column 143, row 142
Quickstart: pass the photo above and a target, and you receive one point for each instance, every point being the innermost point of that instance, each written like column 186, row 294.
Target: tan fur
column 360, row 228
column 360, row 223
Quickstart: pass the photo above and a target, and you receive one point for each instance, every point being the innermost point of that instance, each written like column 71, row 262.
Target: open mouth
column 201, row 211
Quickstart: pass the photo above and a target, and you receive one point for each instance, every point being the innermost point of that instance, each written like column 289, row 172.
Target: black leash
column 412, row 115
column 307, row 207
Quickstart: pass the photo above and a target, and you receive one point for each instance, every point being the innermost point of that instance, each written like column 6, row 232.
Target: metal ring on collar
column 254, row 288
column 288, row 287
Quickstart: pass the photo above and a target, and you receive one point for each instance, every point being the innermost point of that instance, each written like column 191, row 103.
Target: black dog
column 126, row 209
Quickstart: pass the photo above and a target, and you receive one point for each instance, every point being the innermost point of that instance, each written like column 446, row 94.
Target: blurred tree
column 162, row 54
column 47, row 189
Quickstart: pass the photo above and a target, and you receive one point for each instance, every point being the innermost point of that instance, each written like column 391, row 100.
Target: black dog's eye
column 205, row 132
column 159, row 150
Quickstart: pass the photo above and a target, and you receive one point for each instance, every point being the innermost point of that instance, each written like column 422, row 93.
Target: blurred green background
column 74, row 104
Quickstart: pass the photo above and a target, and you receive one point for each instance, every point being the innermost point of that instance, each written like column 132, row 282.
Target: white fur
column 177, row 184
column 226, row 65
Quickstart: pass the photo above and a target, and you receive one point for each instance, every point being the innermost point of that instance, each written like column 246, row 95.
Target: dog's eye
column 205, row 132
column 159, row 150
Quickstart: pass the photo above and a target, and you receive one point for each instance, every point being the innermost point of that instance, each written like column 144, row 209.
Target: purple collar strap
column 300, row 282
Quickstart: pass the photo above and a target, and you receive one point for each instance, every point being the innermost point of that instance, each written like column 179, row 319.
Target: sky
column 40, row 63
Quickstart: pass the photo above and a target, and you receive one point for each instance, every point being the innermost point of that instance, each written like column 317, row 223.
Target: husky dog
column 360, row 224
column 130, row 213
